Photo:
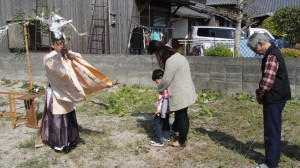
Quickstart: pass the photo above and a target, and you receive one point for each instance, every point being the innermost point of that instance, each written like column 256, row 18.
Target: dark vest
column 280, row 91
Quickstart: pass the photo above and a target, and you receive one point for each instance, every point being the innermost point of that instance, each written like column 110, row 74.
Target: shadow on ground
column 231, row 143
column 290, row 150
column 145, row 121
column 89, row 131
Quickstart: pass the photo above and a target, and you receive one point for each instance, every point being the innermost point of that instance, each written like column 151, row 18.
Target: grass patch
column 137, row 148
column 126, row 99
column 28, row 143
column 5, row 81
column 34, row 163
column 4, row 103
column 225, row 131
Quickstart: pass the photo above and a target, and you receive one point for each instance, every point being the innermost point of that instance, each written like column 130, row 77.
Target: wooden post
column 27, row 55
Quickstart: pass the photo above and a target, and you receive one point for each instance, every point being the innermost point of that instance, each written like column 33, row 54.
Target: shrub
column 35, row 88
column 130, row 99
column 208, row 95
column 219, row 51
column 297, row 46
column 290, row 53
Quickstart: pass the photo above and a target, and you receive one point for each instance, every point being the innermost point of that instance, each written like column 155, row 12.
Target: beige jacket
column 64, row 83
column 177, row 79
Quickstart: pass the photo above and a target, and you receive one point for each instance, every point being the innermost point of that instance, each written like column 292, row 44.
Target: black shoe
column 66, row 149
column 72, row 145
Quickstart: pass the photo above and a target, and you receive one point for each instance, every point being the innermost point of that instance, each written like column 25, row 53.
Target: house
column 206, row 15
column 105, row 22
column 259, row 9
column 110, row 24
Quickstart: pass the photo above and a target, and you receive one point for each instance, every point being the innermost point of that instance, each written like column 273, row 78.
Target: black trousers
column 182, row 124
column 272, row 132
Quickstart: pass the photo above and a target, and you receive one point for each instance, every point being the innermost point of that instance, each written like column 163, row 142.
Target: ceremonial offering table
column 29, row 104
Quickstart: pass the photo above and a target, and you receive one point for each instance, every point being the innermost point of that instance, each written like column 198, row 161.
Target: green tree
column 287, row 22
column 238, row 15
column 269, row 24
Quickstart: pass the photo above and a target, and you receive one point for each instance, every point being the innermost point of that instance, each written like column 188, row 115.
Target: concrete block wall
column 229, row 75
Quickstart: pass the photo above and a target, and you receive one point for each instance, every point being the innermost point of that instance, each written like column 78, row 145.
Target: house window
column 156, row 18
column 159, row 19
column 216, row 32
column 38, row 37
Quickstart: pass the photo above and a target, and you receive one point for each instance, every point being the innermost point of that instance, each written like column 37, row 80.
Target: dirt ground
column 118, row 134
column 11, row 155
column 109, row 141
column 114, row 141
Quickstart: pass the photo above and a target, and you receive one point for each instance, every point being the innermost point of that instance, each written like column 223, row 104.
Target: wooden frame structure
column 30, row 115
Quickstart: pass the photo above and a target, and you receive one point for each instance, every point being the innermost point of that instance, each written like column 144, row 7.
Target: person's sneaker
column 153, row 143
column 262, row 166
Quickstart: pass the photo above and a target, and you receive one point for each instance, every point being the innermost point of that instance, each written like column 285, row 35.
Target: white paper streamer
column 56, row 23
column 3, row 31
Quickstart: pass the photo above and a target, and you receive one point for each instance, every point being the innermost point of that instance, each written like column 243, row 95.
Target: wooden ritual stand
column 30, row 115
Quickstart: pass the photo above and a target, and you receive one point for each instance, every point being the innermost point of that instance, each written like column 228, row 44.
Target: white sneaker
column 153, row 143
column 262, row 166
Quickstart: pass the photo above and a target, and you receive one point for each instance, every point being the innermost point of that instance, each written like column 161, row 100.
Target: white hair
column 255, row 38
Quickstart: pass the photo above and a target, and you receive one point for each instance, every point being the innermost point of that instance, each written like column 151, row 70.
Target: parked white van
column 214, row 33
column 267, row 34
column 224, row 33
column 204, row 37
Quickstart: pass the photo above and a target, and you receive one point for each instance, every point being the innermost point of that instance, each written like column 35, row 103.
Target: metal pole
column 27, row 55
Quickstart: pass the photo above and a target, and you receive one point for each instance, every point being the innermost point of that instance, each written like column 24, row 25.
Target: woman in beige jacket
column 178, row 81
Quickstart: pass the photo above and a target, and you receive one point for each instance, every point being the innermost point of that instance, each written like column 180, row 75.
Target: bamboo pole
column 27, row 55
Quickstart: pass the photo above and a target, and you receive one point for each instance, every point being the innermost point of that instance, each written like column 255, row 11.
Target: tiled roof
column 186, row 12
column 270, row 6
column 199, row 1
column 220, row 2
column 259, row 7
